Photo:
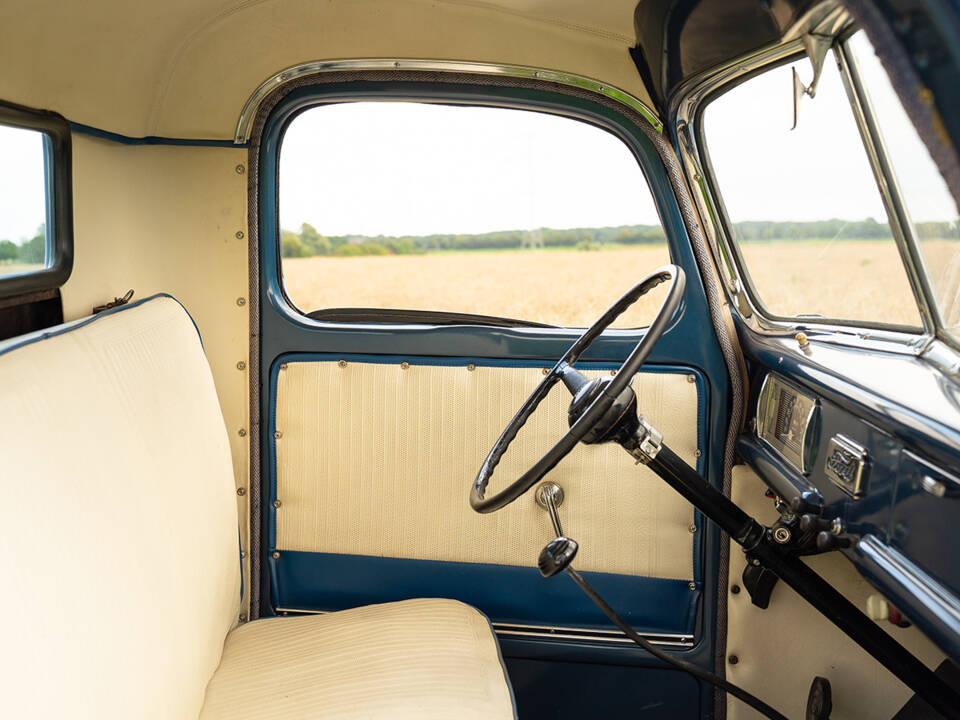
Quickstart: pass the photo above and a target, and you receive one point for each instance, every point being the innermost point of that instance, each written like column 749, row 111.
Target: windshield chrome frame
column 684, row 112
column 249, row 111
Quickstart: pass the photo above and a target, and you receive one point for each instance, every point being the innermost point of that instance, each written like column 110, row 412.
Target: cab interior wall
column 171, row 219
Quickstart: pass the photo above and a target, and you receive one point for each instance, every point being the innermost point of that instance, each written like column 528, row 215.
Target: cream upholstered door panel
column 377, row 459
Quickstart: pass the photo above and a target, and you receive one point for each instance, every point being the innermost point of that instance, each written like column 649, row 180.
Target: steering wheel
column 602, row 410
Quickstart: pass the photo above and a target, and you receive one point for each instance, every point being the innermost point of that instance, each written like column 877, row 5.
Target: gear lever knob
column 556, row 556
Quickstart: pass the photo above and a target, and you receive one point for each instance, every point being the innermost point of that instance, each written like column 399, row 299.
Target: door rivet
column 240, row 169
column 404, row 365
column 241, row 365
column 545, row 371
column 698, row 452
column 692, row 528
column 691, row 378
column 243, row 617
column 241, row 491
column 277, row 503
column 342, row 363
column 239, row 235
column 283, row 366
column 277, row 435
column 692, row 585
column 243, row 554
column 471, row 367
column 276, row 555
column 241, row 301
column 734, row 659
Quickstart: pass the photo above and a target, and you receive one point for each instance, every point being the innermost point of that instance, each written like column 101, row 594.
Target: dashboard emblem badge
column 846, row 465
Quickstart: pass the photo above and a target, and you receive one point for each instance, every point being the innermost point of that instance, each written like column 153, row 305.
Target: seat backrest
column 119, row 556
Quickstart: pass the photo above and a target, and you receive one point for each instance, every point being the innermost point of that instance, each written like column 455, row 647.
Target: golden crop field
column 17, row 268
column 851, row 279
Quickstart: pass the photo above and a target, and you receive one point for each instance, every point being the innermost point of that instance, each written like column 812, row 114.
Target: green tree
column 291, row 246
column 8, row 251
column 316, row 243
column 34, row 250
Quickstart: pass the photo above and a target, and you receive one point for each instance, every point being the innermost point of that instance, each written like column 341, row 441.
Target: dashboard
column 862, row 464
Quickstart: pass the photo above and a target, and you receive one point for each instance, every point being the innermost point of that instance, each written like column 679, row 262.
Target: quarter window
column 462, row 209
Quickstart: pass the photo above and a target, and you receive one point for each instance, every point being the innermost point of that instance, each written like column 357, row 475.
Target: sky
column 22, row 194
column 371, row 168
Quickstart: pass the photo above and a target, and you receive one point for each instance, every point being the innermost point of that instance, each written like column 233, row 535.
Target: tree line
column 308, row 242
column 29, row 252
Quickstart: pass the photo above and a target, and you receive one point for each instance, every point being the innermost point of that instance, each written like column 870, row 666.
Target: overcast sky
column 404, row 168
column 22, row 196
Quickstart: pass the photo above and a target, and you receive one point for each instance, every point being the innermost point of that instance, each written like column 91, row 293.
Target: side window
column 933, row 213
column 461, row 209
column 802, row 205
column 23, row 201
column 36, row 245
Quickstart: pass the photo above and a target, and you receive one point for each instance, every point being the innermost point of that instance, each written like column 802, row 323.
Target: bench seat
column 121, row 567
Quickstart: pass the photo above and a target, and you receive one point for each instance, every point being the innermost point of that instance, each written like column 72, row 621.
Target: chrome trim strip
column 606, row 636
column 910, row 578
column 249, row 112
column 559, row 633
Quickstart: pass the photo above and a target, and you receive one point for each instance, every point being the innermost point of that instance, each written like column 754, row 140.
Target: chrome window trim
column 887, row 183
column 249, row 112
column 673, row 640
column 684, row 111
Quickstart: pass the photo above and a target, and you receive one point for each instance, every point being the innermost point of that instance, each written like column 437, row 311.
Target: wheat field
column 858, row 280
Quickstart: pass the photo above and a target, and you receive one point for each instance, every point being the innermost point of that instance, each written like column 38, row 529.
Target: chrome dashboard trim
column 249, row 111
column 930, row 605
column 671, row 640
column 846, row 465
column 767, row 418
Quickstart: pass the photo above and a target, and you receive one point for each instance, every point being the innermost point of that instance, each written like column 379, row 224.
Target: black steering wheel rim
column 479, row 500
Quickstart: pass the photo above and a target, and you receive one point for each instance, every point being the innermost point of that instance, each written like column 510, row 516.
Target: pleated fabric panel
column 377, row 459
column 419, row 659
column 118, row 533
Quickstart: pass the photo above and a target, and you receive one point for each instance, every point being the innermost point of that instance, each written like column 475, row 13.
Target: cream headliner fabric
column 424, row 659
column 184, row 68
column 118, row 527
column 377, row 460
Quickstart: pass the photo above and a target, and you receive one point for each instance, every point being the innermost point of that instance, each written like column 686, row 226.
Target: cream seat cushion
column 420, row 658
column 120, row 562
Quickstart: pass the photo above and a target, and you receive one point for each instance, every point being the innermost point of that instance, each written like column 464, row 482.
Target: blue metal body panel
column 906, row 413
column 505, row 593
column 688, row 343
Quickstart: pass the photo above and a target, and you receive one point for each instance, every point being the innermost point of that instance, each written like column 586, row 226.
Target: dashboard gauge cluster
column 788, row 420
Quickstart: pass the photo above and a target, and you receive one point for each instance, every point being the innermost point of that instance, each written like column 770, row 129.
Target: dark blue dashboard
column 903, row 413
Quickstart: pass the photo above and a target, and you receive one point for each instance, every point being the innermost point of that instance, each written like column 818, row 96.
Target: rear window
column 460, row 209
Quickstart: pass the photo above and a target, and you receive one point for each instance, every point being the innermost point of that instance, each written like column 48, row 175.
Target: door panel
column 373, row 458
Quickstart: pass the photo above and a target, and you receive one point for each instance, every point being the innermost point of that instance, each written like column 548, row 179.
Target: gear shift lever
column 560, row 552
